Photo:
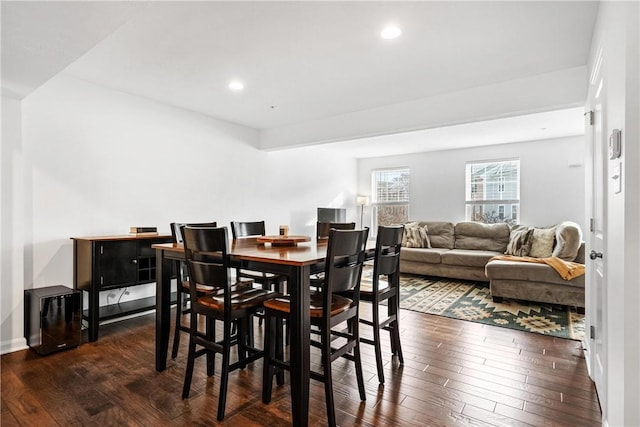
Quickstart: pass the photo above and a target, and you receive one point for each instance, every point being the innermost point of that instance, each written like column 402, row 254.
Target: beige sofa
column 464, row 251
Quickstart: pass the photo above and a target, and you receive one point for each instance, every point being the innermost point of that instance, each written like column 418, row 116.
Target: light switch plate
column 617, row 178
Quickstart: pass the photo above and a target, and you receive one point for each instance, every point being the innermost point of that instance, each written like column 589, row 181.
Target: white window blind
column 390, row 186
column 390, row 196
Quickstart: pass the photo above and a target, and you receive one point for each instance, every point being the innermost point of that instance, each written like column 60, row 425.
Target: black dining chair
column 182, row 291
column 384, row 285
column 323, row 228
column 328, row 310
column 253, row 229
column 206, row 253
column 322, row 234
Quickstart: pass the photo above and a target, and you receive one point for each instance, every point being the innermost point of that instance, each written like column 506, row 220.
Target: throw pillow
column 426, row 241
column 542, row 242
column 415, row 236
column 568, row 240
column 520, row 242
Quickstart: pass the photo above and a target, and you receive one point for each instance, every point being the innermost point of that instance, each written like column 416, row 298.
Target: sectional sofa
column 465, row 251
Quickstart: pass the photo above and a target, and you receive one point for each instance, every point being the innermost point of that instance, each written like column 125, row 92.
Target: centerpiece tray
column 283, row 240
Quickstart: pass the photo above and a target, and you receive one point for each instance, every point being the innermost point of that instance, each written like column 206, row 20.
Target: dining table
column 297, row 262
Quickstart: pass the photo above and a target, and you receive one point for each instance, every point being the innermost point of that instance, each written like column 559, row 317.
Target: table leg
column 94, row 314
column 163, row 308
column 300, row 352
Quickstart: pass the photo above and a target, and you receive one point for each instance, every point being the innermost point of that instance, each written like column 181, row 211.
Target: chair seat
column 201, row 289
column 258, row 275
column 241, row 298
column 317, row 279
column 206, row 290
column 366, row 286
column 339, row 304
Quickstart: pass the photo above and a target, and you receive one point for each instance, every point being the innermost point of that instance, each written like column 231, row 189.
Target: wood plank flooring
column 455, row 373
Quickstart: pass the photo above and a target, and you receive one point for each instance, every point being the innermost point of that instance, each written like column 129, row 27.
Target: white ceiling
column 300, row 61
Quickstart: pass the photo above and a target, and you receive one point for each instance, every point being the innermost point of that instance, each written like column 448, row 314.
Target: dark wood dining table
column 297, row 262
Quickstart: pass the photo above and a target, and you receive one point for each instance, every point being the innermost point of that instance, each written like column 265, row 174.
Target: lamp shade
column 362, row 200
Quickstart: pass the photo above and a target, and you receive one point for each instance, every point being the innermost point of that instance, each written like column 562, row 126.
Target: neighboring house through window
column 390, row 196
column 492, row 190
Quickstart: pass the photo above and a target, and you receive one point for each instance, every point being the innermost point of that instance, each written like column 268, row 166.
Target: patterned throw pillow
column 415, row 236
column 543, row 241
column 520, row 242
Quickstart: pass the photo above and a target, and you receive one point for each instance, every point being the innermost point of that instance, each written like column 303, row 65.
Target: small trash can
column 52, row 318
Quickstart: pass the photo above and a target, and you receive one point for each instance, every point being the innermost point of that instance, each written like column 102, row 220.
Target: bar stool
column 206, row 253
column 328, row 309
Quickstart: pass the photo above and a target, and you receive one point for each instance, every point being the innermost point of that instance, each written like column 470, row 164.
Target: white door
column 596, row 259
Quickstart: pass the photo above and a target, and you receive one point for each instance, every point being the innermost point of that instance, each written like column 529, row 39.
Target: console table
column 103, row 263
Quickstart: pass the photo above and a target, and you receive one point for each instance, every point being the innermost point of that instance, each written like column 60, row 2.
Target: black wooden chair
column 244, row 230
column 206, row 253
column 328, row 310
column 322, row 234
column 182, row 291
column 323, row 228
column 377, row 289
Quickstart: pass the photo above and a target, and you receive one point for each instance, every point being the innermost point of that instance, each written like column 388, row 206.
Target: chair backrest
column 388, row 244
column 247, row 229
column 323, row 228
column 176, row 229
column 206, row 253
column 343, row 268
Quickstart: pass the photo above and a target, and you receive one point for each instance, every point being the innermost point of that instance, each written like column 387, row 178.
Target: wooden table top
column 306, row 253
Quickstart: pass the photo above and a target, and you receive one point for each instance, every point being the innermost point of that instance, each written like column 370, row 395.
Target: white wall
column 550, row 189
column 11, row 226
column 618, row 35
column 97, row 161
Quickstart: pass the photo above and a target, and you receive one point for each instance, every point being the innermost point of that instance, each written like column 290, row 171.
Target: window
column 390, row 200
column 492, row 191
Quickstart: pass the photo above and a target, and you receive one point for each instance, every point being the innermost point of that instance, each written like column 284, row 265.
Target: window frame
column 478, row 192
column 403, row 199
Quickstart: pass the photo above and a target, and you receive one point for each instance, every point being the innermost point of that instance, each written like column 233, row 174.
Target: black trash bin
column 52, row 318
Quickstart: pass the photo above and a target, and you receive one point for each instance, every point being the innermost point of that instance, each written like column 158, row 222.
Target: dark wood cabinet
column 110, row 262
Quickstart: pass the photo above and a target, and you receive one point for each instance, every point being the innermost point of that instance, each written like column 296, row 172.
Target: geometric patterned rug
column 470, row 300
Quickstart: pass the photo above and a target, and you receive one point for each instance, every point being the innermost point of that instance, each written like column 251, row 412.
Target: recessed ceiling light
column 390, row 33
column 236, row 85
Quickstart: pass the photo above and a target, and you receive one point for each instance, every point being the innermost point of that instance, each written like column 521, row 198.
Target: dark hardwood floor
column 455, row 373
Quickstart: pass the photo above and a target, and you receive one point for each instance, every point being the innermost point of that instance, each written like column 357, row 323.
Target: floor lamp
column 362, row 201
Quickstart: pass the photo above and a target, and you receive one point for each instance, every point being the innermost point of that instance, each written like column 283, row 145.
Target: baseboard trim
column 13, row 345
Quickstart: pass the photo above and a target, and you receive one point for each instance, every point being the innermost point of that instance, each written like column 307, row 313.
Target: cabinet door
column 118, row 263
column 147, row 260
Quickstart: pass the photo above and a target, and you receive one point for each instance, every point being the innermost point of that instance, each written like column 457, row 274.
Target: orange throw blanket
column 567, row 270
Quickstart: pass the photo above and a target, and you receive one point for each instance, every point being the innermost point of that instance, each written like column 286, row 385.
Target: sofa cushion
column 415, row 236
column 468, row 257
column 543, row 242
column 441, row 234
column 479, row 236
column 520, row 241
column 430, row 256
column 568, row 240
column 527, row 271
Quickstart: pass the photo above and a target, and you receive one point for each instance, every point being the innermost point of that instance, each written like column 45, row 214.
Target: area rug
column 470, row 300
